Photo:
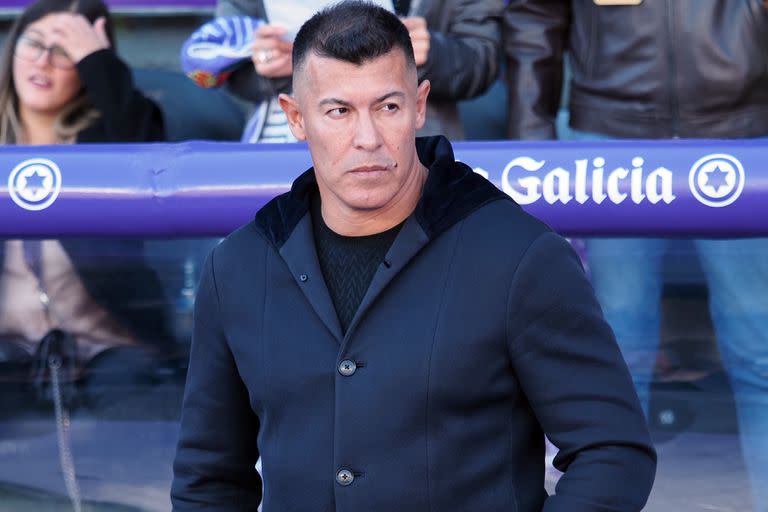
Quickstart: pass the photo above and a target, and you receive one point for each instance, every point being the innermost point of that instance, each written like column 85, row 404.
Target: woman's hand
column 272, row 55
column 76, row 36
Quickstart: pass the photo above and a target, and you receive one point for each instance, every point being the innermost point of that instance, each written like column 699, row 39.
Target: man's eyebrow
column 337, row 101
column 334, row 101
column 389, row 95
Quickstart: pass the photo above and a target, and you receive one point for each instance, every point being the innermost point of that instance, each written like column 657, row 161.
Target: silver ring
column 264, row 56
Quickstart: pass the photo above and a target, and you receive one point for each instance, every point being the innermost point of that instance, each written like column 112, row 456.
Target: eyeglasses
column 31, row 49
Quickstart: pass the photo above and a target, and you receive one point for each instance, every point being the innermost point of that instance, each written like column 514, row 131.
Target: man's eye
column 338, row 111
column 391, row 107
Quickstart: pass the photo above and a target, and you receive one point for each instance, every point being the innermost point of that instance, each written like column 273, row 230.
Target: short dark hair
column 353, row 31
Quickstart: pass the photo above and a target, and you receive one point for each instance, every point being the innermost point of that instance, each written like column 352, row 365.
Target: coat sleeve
column 535, row 37
column 575, row 379
column 464, row 60
column 126, row 114
column 244, row 82
column 214, row 468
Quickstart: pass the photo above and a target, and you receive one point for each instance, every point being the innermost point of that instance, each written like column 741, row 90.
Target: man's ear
column 292, row 111
column 421, row 103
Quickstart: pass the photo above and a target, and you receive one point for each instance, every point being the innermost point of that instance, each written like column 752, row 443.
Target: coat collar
column 451, row 193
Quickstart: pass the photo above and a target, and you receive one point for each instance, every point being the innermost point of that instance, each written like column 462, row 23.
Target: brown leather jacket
column 660, row 69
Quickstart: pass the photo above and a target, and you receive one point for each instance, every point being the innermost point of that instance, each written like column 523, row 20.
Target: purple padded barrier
column 659, row 188
column 130, row 4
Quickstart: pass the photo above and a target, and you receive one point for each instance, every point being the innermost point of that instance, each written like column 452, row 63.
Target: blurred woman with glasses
column 93, row 303
column 61, row 80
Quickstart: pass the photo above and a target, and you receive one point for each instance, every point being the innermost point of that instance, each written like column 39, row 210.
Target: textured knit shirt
column 348, row 263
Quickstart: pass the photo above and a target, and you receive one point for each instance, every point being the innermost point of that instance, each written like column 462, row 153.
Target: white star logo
column 717, row 180
column 35, row 184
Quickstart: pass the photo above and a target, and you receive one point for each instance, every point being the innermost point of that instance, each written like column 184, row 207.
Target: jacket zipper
column 673, row 100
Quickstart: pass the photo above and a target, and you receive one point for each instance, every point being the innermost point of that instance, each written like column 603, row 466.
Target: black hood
column 452, row 191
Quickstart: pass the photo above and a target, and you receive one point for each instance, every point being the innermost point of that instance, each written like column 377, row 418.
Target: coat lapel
column 407, row 244
column 300, row 255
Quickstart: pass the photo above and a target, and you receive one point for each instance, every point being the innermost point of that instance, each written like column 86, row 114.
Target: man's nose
column 367, row 135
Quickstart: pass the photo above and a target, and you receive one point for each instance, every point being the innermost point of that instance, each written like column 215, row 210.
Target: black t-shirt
column 348, row 263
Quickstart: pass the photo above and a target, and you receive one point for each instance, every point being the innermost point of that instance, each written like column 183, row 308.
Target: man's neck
column 351, row 222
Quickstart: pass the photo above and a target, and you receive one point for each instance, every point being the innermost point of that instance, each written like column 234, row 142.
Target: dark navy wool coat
column 479, row 333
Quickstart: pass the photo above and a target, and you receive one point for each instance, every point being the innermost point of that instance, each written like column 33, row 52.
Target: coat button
column 345, row 477
column 303, row 278
column 347, row 367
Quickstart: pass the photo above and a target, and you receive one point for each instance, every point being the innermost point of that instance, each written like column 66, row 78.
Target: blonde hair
column 79, row 114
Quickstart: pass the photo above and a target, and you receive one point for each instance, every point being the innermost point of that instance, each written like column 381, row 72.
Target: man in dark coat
column 395, row 333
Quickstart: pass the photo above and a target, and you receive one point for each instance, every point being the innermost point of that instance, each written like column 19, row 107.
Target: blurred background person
column 93, row 304
column 457, row 45
column 659, row 69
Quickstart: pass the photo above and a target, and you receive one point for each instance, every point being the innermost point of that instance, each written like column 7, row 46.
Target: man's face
column 360, row 123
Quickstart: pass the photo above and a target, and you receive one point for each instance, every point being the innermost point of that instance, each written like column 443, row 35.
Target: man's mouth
column 363, row 169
